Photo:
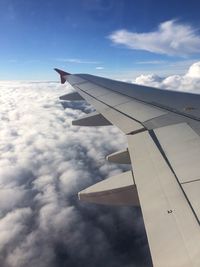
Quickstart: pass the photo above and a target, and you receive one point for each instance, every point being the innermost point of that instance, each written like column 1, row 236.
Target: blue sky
column 113, row 38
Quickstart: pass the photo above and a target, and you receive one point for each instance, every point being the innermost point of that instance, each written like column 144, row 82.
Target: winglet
column 63, row 75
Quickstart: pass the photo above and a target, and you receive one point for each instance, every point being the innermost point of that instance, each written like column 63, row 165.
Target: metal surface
column 71, row 97
column 139, row 111
column 93, row 90
column 113, row 99
column 120, row 157
column 181, row 102
column 172, row 229
column 124, row 123
column 116, row 190
column 92, row 119
column 181, row 145
column 192, row 191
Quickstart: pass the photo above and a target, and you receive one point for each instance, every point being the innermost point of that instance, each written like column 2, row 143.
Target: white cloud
column 194, row 71
column 78, row 61
column 171, row 38
column 44, row 163
column 99, row 68
column 189, row 82
column 12, row 225
column 149, row 79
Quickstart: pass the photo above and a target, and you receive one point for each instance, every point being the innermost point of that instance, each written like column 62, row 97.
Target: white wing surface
column 162, row 129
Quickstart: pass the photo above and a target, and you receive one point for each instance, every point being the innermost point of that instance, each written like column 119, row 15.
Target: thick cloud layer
column 44, row 162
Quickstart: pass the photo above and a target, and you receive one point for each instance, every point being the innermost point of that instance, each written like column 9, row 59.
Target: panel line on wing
column 192, row 181
column 150, row 103
column 97, row 99
column 141, row 116
column 172, row 228
column 137, row 131
column 131, row 98
column 159, row 146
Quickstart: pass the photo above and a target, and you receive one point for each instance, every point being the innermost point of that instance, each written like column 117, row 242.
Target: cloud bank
column 171, row 38
column 189, row 82
column 44, row 162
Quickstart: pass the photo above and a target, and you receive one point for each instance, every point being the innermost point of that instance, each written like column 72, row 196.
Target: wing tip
column 62, row 74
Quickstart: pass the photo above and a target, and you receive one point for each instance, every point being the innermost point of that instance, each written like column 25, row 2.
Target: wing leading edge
column 162, row 129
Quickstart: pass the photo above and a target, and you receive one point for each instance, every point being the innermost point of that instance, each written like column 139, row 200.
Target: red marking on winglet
column 62, row 75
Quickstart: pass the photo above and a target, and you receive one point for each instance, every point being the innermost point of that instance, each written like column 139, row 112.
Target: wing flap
column 192, row 191
column 172, row 229
column 181, row 145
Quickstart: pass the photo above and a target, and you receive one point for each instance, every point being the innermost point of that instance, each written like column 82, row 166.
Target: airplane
column 163, row 134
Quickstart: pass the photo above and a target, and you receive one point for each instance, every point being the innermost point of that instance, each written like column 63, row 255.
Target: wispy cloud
column 28, row 61
column 77, row 61
column 171, row 38
column 99, row 68
column 152, row 62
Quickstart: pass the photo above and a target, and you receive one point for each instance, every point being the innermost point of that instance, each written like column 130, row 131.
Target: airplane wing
column 162, row 129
